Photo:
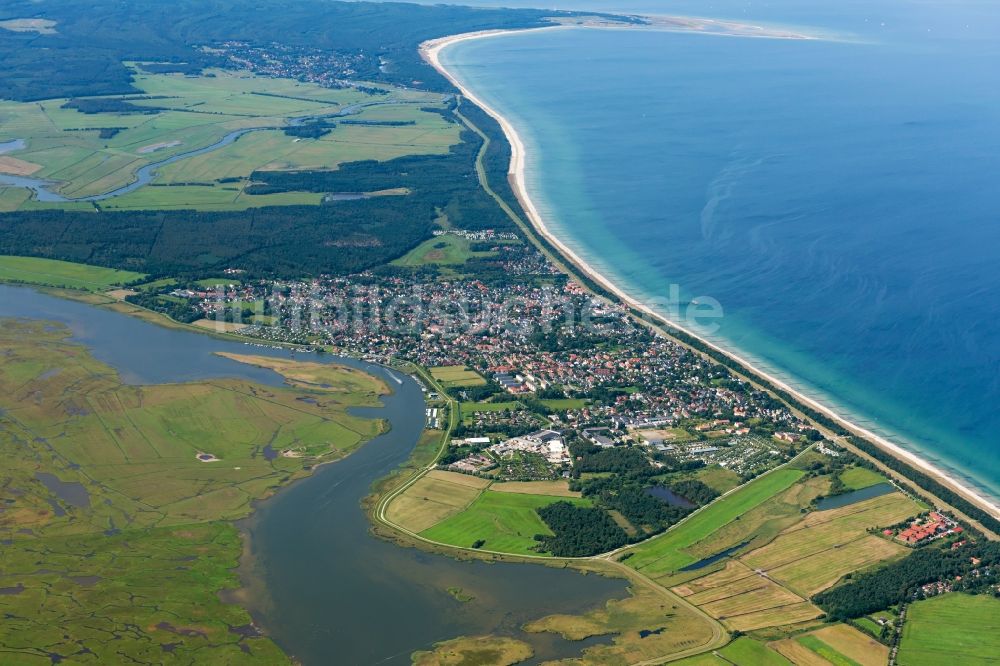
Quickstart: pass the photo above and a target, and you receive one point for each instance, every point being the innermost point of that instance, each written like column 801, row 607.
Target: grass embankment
column 103, row 485
column 951, row 629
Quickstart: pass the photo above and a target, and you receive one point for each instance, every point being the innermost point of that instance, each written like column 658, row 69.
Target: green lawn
column 951, row 629
column 856, row 478
column 665, row 554
column 49, row 272
column 507, row 522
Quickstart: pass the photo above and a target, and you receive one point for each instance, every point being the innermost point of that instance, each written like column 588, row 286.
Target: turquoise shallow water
column 838, row 198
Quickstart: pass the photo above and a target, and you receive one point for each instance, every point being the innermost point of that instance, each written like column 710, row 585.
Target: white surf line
column 431, row 51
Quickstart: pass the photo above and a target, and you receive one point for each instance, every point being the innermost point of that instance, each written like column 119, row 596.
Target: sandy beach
column 431, row 51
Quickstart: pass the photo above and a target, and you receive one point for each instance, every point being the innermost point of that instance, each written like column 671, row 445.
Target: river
column 45, row 190
column 325, row 589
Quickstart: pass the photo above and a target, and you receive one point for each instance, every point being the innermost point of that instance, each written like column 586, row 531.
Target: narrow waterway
column 45, row 190
column 325, row 589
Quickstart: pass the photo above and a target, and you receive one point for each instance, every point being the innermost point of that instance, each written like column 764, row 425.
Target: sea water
column 837, row 197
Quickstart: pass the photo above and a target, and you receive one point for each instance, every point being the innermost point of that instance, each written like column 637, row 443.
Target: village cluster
column 320, row 66
column 571, row 365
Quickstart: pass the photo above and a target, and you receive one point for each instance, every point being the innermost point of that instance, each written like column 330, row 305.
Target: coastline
column 431, row 51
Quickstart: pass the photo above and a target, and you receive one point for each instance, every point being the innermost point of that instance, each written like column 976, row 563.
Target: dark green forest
column 900, row 581
column 84, row 57
column 289, row 241
column 579, row 531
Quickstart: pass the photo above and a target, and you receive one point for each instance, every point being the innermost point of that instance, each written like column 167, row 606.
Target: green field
column 52, row 273
column 64, row 145
column 103, row 484
column 470, row 408
column 507, row 522
column 748, row 652
column 951, row 629
column 446, row 250
column 856, row 478
column 665, row 554
column 457, row 376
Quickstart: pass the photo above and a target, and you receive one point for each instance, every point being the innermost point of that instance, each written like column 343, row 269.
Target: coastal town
column 532, row 359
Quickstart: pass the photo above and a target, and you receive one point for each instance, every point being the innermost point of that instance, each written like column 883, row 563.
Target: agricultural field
column 952, row 628
column 838, row 644
column 813, row 554
column 783, row 556
column 81, row 453
column 435, row 497
column 89, row 154
column 457, row 376
column 504, row 522
column 744, row 599
column 666, row 554
column 53, row 273
column 745, row 651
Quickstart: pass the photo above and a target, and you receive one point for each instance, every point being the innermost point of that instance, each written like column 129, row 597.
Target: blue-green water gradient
column 838, row 197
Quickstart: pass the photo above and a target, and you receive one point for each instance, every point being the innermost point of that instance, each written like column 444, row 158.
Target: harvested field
column 17, row 167
column 773, row 617
column 819, row 571
column 433, row 499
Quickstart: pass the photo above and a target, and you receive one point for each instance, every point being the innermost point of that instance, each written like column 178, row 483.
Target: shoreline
column 431, row 51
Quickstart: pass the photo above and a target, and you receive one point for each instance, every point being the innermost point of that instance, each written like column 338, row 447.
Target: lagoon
column 320, row 584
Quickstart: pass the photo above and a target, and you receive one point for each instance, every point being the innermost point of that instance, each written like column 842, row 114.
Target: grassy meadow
column 445, row 250
column 952, row 628
column 65, row 145
column 646, row 626
column 104, row 483
column 64, row 274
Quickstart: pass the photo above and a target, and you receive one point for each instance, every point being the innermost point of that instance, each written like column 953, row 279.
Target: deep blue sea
column 838, row 197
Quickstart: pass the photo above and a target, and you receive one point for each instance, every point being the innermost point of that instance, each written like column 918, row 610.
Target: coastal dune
column 431, row 52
